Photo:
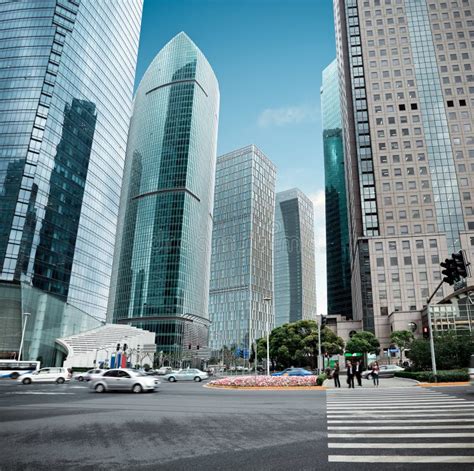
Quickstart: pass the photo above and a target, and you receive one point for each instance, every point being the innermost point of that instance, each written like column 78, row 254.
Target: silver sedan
column 124, row 380
column 189, row 374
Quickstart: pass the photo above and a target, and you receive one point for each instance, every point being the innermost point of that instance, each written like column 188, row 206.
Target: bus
column 12, row 369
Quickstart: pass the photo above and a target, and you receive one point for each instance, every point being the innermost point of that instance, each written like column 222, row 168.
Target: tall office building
column 407, row 101
column 293, row 257
column 338, row 266
column 161, row 272
column 242, row 249
column 66, row 88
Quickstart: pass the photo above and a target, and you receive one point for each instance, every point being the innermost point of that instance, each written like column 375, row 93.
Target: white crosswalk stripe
column 396, row 425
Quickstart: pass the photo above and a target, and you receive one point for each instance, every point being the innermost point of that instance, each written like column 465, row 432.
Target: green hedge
column 444, row 376
column 321, row 378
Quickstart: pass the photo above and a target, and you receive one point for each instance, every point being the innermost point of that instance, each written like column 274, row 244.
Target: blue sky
column 268, row 56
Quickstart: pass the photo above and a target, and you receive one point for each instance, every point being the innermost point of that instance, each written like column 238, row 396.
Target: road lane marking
column 399, row 421
column 399, row 459
column 344, row 409
column 405, row 427
column 401, row 445
column 401, row 435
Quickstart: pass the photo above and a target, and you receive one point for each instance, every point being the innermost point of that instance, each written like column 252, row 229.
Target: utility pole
column 268, row 301
column 24, row 318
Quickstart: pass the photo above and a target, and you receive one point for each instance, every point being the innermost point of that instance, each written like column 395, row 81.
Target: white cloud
column 287, row 115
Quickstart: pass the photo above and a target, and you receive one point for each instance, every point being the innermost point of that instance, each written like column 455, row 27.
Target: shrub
column 444, row 376
column 321, row 378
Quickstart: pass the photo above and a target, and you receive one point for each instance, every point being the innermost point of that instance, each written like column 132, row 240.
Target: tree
column 296, row 344
column 363, row 342
column 402, row 339
column 453, row 350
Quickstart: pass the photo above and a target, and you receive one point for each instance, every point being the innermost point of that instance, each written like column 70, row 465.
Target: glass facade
column 294, row 272
column 449, row 213
column 338, row 267
column 67, row 70
column 161, row 274
column 242, row 249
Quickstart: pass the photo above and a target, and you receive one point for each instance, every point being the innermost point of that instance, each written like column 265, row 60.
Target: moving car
column 124, row 379
column 189, row 374
column 46, row 375
column 164, row 370
column 91, row 374
column 386, row 371
column 293, row 372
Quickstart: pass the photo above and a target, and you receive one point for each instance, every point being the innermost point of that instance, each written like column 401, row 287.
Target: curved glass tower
column 161, row 277
column 67, row 69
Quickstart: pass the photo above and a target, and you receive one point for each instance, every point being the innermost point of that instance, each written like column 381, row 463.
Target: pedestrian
column 335, row 375
column 375, row 373
column 358, row 372
column 350, row 375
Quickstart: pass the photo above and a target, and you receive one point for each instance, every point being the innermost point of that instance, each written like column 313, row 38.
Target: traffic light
column 426, row 332
column 460, row 264
column 125, row 346
column 449, row 272
column 118, row 347
column 323, row 321
column 189, row 347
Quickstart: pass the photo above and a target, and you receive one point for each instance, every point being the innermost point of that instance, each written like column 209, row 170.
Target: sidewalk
column 368, row 384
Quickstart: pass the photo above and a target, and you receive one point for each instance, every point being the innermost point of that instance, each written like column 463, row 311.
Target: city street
column 186, row 426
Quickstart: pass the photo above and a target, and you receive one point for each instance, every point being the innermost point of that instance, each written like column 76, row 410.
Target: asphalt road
column 185, row 426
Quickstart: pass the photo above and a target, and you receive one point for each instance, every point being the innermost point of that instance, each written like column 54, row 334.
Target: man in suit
column 350, row 375
column 358, row 372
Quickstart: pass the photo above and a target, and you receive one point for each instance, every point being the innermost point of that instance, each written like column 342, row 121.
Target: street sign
column 347, row 354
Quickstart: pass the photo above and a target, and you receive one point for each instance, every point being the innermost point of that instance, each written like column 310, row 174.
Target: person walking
column 335, row 375
column 375, row 373
column 350, row 375
column 358, row 372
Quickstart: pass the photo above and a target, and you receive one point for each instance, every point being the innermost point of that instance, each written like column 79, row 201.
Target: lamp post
column 268, row 301
column 24, row 319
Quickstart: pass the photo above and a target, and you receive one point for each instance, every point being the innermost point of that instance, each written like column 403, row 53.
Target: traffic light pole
column 319, row 344
column 430, row 326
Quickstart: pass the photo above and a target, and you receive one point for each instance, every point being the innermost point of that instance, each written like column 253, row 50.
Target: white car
column 188, row 374
column 385, row 371
column 124, row 379
column 46, row 375
column 89, row 375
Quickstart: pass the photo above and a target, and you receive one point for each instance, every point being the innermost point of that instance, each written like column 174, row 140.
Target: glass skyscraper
column 293, row 257
column 338, row 266
column 161, row 272
column 242, row 249
column 67, row 70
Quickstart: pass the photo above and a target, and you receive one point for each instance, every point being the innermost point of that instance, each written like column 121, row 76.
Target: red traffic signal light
column 426, row 332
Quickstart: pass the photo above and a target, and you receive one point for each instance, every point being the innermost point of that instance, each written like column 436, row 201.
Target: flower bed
column 265, row 381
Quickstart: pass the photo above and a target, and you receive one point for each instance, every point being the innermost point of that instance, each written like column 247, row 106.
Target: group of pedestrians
column 354, row 372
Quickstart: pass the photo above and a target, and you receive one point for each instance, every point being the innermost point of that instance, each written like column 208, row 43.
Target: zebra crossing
column 399, row 425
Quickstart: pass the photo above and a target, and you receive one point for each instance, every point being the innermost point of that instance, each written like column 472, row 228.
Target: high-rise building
column 338, row 262
column 67, row 71
column 407, row 96
column 293, row 258
column 241, row 291
column 161, row 272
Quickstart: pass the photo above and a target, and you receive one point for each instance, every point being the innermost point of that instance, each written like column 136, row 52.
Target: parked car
column 385, row 371
column 88, row 375
column 46, row 375
column 188, row 374
column 471, row 370
column 124, row 380
column 293, row 372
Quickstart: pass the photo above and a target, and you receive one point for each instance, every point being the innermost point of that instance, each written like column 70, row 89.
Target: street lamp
column 268, row 300
column 24, row 319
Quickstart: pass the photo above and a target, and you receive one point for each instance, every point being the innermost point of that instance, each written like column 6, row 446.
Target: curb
column 442, row 385
column 269, row 388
